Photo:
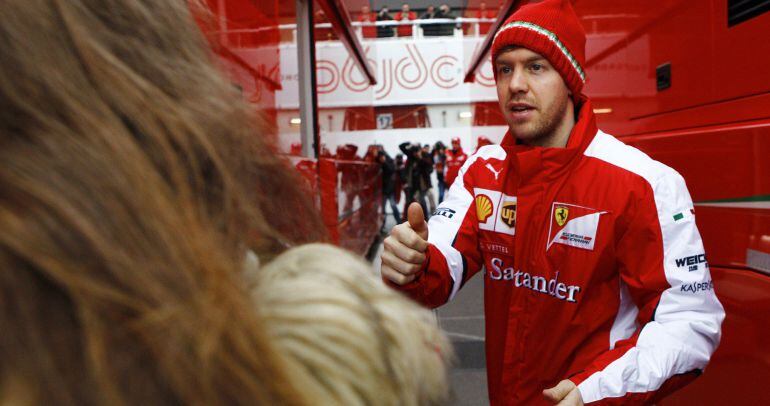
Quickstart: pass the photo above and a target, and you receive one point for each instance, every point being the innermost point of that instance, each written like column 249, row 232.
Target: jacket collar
column 544, row 164
column 580, row 137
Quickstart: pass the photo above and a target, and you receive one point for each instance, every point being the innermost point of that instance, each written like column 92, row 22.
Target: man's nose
column 518, row 83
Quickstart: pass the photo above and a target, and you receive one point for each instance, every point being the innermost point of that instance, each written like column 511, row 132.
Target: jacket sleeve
column 453, row 255
column 674, row 316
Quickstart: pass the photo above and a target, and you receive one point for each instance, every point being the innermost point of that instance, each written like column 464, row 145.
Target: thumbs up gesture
column 404, row 250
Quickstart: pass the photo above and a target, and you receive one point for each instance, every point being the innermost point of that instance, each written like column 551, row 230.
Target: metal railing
column 474, row 25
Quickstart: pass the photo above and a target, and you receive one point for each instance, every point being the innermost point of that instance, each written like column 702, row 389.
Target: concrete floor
column 463, row 321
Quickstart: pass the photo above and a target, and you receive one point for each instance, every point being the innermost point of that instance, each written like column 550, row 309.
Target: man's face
column 532, row 94
column 405, row 8
column 365, row 10
column 431, row 9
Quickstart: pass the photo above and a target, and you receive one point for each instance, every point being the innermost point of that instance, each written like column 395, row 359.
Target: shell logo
column 483, row 208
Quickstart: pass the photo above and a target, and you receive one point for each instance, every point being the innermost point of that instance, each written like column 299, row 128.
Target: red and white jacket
column 595, row 270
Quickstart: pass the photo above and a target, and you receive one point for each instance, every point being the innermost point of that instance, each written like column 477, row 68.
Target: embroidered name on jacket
column 573, row 225
column 539, row 284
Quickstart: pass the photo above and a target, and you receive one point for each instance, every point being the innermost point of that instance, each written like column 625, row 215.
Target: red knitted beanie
column 552, row 29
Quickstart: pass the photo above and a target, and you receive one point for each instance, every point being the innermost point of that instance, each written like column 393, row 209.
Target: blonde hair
column 348, row 339
column 132, row 180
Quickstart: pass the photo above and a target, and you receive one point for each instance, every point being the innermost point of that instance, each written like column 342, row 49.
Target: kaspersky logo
column 539, row 284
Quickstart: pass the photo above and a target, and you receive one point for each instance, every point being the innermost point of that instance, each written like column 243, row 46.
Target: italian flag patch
column 681, row 215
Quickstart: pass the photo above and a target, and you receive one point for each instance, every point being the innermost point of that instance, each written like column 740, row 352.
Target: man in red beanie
column 597, row 288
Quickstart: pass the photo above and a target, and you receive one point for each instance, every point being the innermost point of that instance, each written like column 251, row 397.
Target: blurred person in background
column 426, row 169
column 405, row 15
column 388, row 168
column 482, row 141
column 366, row 16
column 349, row 167
column 428, row 30
column 445, row 29
column 400, row 179
column 415, row 186
column 385, row 31
column 132, row 185
column 455, row 158
column 439, row 161
column 346, row 338
column 485, row 13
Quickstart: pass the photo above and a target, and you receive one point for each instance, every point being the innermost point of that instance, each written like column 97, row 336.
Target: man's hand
column 404, row 249
column 564, row 394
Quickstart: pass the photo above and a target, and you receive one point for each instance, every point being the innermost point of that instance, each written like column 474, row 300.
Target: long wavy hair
column 132, row 183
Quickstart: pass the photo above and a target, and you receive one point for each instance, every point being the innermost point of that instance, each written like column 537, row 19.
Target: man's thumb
column 417, row 220
column 558, row 392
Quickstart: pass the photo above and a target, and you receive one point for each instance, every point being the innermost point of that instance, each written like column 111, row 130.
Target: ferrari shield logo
column 561, row 214
column 508, row 213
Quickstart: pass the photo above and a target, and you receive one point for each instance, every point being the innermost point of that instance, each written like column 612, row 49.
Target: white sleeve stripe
column 625, row 324
column 443, row 228
column 686, row 326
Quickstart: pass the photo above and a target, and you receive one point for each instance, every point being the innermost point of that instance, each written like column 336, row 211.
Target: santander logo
column 552, row 287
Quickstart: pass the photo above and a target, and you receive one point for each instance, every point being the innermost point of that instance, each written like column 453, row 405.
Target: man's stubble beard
column 546, row 125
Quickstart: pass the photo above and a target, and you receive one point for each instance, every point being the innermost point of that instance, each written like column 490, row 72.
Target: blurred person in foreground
column 345, row 337
column 587, row 296
column 133, row 182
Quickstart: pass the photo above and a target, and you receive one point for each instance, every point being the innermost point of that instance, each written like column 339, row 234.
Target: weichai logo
column 692, row 262
column 540, row 284
column 484, row 208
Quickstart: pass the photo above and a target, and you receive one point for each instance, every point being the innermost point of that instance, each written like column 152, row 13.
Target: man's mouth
column 519, row 107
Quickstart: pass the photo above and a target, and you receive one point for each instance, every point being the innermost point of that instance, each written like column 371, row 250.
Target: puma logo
column 492, row 169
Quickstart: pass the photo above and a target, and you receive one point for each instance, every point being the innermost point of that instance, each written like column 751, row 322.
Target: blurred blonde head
column 348, row 339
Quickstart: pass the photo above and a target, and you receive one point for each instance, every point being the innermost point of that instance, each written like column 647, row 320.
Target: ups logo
column 508, row 214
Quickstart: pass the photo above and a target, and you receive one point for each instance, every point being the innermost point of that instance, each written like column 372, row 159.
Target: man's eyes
column 532, row 67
